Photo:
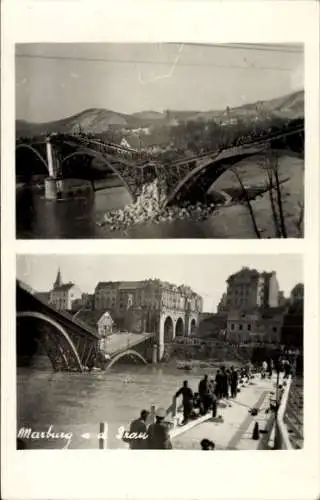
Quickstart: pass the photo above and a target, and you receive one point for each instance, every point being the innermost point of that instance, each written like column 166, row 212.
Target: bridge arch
column 199, row 179
column 61, row 330
column 193, row 326
column 168, row 329
column 180, row 328
column 40, row 157
column 99, row 156
column 204, row 176
column 127, row 353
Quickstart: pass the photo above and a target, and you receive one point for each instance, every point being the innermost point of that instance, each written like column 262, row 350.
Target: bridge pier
column 160, row 350
column 154, row 354
column 53, row 185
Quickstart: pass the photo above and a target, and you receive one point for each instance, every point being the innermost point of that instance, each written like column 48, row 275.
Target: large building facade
column 297, row 293
column 248, row 289
column 167, row 309
column 254, row 306
column 255, row 326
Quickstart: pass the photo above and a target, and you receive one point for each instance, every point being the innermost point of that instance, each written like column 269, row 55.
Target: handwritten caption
column 26, row 433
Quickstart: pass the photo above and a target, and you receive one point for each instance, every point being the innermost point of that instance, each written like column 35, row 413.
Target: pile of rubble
column 148, row 207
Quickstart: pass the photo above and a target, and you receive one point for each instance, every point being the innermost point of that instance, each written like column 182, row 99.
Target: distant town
column 251, row 309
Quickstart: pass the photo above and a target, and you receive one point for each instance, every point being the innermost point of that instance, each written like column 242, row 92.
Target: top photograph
column 166, row 140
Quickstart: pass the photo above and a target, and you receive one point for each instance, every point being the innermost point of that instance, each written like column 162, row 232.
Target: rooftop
column 89, row 317
column 133, row 285
column 244, row 272
column 63, row 288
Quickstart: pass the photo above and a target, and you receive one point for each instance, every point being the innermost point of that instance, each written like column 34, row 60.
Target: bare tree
column 271, row 166
column 270, row 188
column 247, row 199
column 300, row 220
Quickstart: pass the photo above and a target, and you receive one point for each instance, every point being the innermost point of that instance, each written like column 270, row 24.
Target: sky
column 57, row 80
column 205, row 274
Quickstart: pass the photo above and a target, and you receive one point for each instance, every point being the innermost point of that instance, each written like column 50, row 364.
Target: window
column 240, row 327
column 249, row 327
column 232, row 326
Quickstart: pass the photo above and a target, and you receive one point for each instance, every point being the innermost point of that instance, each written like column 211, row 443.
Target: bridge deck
column 235, row 432
column 27, row 300
column 118, row 342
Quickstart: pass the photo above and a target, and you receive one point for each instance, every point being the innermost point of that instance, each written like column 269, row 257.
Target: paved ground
column 235, row 432
column 119, row 341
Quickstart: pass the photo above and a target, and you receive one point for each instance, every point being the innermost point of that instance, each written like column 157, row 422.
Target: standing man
column 233, row 382
column 187, row 400
column 139, row 427
column 158, row 433
column 218, row 388
column 287, row 368
column 204, row 393
column 224, row 383
column 264, row 369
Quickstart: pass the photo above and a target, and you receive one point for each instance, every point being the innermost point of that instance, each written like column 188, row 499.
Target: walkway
column 118, row 342
column 235, row 432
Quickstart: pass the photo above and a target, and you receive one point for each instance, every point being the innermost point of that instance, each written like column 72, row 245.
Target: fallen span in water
column 149, row 206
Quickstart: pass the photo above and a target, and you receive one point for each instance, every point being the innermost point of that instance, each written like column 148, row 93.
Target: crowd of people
column 194, row 404
column 210, row 392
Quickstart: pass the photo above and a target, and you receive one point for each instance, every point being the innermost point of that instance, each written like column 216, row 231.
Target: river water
column 77, row 402
column 77, row 218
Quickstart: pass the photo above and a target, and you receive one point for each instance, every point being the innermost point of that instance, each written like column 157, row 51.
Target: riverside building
column 152, row 300
column 254, row 307
column 64, row 296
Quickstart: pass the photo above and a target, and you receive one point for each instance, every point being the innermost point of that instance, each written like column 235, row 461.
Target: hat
column 161, row 413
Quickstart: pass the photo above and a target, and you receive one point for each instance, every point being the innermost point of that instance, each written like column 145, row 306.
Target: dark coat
column 158, row 436
column 138, row 426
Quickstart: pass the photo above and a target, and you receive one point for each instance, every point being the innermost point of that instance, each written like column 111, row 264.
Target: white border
column 224, row 475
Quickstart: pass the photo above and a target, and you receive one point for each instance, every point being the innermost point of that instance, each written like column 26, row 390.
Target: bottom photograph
column 192, row 352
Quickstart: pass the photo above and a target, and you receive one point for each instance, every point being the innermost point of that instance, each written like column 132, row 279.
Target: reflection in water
column 69, row 218
column 76, row 403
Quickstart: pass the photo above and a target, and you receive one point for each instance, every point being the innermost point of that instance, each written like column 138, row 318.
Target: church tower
column 58, row 281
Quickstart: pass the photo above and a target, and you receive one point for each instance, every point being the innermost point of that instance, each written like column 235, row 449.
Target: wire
column 284, row 48
column 155, row 63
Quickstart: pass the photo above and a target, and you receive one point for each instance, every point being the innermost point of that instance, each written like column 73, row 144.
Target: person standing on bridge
column 233, row 382
column 204, row 393
column 218, row 386
column 270, row 367
column 187, row 401
column 138, row 428
column 158, row 433
column 224, row 383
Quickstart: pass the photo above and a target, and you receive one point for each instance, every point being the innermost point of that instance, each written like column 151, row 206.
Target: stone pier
column 53, row 185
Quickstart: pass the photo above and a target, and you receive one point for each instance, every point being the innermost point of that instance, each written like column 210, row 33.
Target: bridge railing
column 282, row 440
column 127, row 345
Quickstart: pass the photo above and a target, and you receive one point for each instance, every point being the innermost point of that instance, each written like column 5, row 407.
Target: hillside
column 148, row 115
column 91, row 120
column 100, row 120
